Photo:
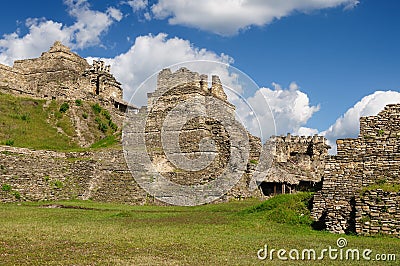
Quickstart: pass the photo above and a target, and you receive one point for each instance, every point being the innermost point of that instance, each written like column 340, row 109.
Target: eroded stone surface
column 61, row 74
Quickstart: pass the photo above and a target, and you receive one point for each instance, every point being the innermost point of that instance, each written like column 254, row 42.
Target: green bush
column 106, row 115
column 103, row 127
column 16, row 194
column 64, row 107
column 85, row 115
column 96, row 108
column 78, row 102
column 381, row 181
column 113, row 126
column 10, row 142
column 25, row 117
column 6, row 187
column 58, row 184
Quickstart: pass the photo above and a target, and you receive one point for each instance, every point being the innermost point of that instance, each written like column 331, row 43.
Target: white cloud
column 351, row 5
column 114, row 13
column 289, row 107
column 40, row 37
column 149, row 54
column 85, row 32
column 306, row 131
column 147, row 16
column 137, row 5
column 348, row 125
column 227, row 17
column 90, row 24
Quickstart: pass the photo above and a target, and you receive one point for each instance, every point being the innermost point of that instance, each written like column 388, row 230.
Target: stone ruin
column 352, row 198
column 298, row 164
column 62, row 74
column 184, row 122
column 352, row 194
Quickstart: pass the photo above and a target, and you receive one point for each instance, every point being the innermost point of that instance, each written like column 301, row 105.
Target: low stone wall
column 47, row 175
column 30, row 175
column 372, row 158
column 378, row 212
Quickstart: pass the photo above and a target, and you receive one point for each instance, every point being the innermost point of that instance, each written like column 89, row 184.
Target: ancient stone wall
column 301, row 156
column 60, row 74
column 28, row 175
column 378, row 212
column 167, row 80
column 372, row 158
column 13, row 81
column 188, row 120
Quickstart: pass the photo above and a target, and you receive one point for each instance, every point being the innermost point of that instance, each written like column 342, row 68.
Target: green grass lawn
column 218, row 234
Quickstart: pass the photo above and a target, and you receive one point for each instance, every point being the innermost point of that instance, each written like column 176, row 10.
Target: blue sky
column 329, row 56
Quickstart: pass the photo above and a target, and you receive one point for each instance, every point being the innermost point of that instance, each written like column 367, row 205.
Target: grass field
column 89, row 233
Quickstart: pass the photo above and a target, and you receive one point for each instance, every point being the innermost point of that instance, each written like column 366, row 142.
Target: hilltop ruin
column 62, row 74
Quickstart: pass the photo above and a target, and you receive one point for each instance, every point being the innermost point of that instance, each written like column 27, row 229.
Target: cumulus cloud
column 276, row 111
column 348, row 125
column 149, row 54
column 227, row 17
column 306, row 131
column 137, row 5
column 114, row 13
column 13, row 47
column 90, row 24
column 84, row 32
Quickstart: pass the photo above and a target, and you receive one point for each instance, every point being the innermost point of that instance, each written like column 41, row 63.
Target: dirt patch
column 61, row 206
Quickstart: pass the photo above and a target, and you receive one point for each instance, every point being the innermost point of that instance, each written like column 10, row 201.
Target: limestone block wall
column 187, row 86
column 12, row 81
column 372, row 158
column 30, row 175
column 164, row 123
column 302, row 156
column 167, row 79
column 59, row 73
column 378, row 212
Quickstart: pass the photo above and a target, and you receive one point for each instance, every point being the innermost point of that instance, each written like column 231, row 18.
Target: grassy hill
column 54, row 125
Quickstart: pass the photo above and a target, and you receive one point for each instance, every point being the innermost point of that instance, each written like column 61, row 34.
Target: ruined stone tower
column 186, row 136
